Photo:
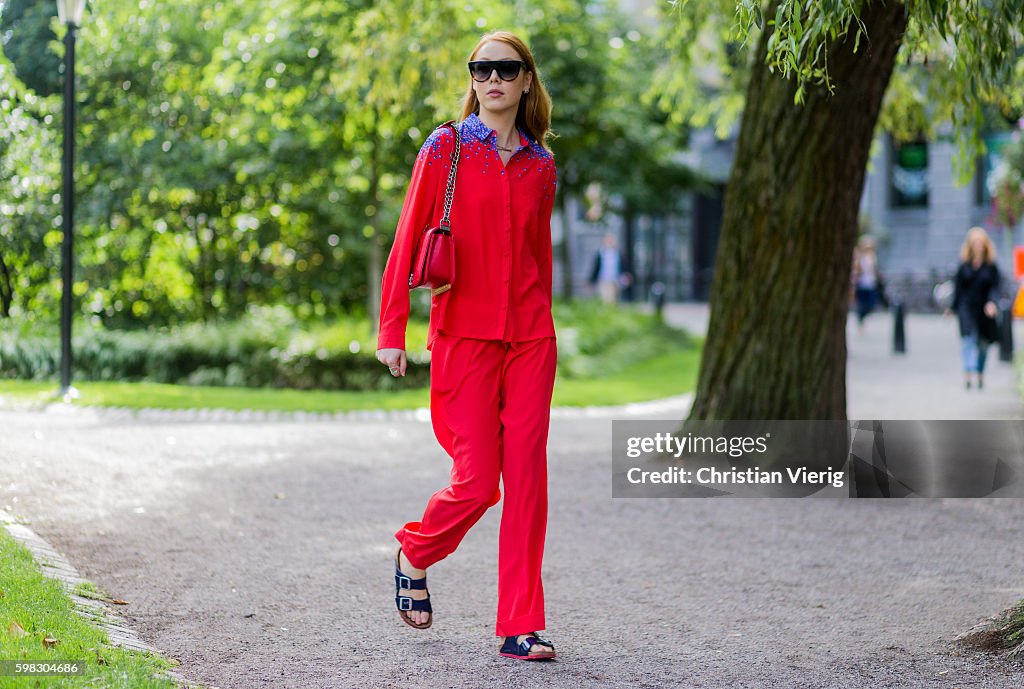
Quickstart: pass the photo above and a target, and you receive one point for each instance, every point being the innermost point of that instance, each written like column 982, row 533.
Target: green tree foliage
column 402, row 69
column 207, row 134
column 637, row 159
column 25, row 33
column 235, row 154
column 29, row 172
column 957, row 61
column 598, row 64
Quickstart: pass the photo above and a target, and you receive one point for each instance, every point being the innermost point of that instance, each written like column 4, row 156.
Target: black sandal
column 521, row 651
column 407, row 603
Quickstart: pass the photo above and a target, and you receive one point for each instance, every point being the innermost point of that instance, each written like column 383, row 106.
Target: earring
column 526, row 91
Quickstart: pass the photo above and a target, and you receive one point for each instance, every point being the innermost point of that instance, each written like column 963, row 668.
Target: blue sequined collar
column 474, row 125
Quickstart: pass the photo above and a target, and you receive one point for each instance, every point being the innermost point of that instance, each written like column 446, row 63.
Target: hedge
column 273, row 349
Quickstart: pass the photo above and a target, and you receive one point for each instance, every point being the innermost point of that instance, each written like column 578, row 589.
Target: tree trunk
column 6, row 290
column 776, row 343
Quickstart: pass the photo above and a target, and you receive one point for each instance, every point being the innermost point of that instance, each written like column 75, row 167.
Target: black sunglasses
column 508, row 70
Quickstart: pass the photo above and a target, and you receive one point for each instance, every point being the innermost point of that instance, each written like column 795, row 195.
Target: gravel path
column 259, row 554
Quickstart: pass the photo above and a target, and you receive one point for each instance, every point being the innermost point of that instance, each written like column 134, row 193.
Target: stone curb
column 56, row 566
column 680, row 403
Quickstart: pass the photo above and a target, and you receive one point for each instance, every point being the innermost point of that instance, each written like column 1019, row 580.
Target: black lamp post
column 70, row 14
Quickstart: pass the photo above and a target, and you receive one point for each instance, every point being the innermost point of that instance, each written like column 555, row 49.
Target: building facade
column 919, row 212
column 912, row 203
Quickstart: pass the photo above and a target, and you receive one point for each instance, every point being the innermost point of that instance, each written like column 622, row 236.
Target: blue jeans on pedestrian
column 866, row 298
column 974, row 351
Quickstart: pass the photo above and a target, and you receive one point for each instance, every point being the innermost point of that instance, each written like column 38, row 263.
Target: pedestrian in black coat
column 974, row 301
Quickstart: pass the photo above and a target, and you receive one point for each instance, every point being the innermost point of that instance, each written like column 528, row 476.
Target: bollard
column 1005, row 333
column 658, row 297
column 899, row 334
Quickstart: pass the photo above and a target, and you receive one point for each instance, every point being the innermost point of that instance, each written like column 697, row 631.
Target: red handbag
column 433, row 264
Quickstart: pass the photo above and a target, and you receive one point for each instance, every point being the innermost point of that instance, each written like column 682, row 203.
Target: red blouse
column 501, row 228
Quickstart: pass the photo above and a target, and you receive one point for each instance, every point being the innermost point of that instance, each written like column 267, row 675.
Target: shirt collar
column 474, row 126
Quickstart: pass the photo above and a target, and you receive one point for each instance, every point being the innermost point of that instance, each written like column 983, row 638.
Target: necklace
column 500, row 147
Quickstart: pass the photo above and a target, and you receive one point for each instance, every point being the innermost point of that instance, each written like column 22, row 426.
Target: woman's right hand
column 394, row 359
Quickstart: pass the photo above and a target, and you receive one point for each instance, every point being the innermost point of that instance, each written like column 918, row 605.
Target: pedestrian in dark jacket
column 976, row 289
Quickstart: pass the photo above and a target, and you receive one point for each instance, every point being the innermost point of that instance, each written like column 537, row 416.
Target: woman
column 491, row 337
column 976, row 288
column 865, row 279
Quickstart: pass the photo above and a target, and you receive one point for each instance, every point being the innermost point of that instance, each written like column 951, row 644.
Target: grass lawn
column 34, row 607
column 661, row 376
column 654, row 378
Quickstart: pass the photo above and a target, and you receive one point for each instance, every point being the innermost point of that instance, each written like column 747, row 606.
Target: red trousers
column 490, row 405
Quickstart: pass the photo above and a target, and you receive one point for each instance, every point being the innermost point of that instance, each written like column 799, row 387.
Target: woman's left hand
column 991, row 310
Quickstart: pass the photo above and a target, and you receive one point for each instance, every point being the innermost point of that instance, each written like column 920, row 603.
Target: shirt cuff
column 390, row 341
